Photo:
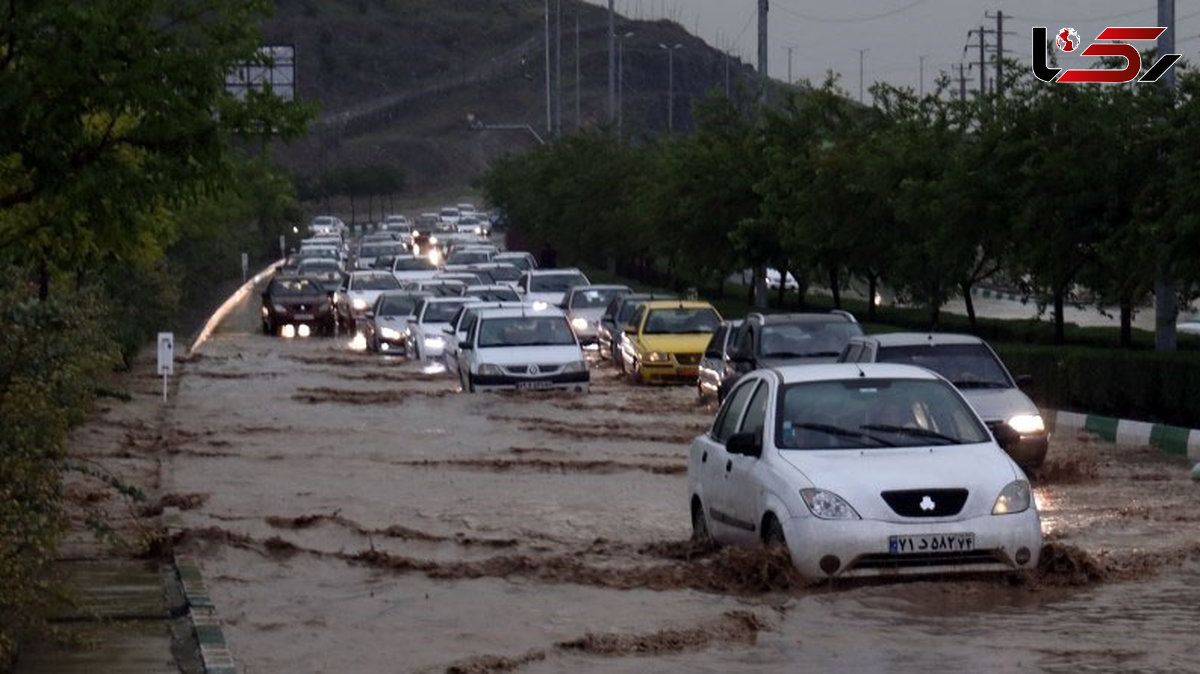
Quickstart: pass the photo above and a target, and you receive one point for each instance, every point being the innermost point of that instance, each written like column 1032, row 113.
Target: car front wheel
column 700, row 533
column 773, row 533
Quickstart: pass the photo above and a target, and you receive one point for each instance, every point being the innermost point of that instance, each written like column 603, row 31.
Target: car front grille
column 541, row 369
column 926, row 502
column 926, row 559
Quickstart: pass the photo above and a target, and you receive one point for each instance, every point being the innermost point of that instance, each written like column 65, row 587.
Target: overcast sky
column 828, row 34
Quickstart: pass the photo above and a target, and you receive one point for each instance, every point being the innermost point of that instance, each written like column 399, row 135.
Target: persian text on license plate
column 903, row 545
column 304, row 317
column 534, row 384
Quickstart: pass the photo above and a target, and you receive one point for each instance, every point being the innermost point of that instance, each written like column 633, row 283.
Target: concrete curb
column 1171, row 439
column 230, row 302
column 206, row 623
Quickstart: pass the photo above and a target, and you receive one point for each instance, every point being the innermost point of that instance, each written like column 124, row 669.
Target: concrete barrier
column 1171, row 439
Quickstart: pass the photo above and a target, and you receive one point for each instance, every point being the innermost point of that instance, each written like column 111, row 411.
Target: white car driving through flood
column 427, row 326
column 861, row 470
column 522, row 348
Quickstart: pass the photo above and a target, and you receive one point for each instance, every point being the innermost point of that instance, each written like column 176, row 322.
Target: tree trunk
column 966, row 293
column 1060, row 335
column 872, row 288
column 1126, row 323
column 783, row 273
column 760, row 288
column 353, row 214
column 834, row 287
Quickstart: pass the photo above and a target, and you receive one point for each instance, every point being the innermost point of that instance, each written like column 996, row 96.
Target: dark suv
column 787, row 339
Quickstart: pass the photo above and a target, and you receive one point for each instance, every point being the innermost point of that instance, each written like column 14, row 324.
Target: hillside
column 395, row 80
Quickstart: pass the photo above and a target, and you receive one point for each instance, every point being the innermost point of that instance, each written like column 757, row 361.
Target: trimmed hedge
column 1142, row 385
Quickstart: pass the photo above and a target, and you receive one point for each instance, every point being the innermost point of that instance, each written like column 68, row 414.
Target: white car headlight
column 579, row 323
column 577, row 366
column 1014, row 498
column 490, row 370
column 280, row 308
column 359, row 304
column 479, row 230
column 434, row 342
column 827, row 505
column 658, row 357
column 1027, row 424
column 389, row 333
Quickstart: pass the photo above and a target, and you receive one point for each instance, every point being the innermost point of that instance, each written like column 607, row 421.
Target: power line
column 857, row 19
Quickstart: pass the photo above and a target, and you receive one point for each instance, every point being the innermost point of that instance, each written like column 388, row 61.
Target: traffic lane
column 503, row 502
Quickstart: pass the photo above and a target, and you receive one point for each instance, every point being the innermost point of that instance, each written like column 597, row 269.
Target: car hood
column 433, row 329
column 293, row 300
column 521, row 355
column 689, row 343
column 591, row 314
column 993, row 404
column 549, row 298
column 369, row 295
column 393, row 320
column 858, row 476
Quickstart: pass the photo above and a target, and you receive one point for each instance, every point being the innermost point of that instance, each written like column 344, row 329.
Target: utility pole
column 578, row 80
column 999, row 16
column 764, row 6
column 670, row 84
column 549, row 113
column 962, row 83
column 921, row 67
column 982, row 79
column 612, row 63
column 558, row 67
column 789, row 51
column 1165, row 309
column 621, row 84
column 727, row 92
column 861, row 57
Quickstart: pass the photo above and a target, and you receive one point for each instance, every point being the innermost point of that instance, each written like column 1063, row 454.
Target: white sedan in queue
column 460, row 325
column 861, row 470
column 426, row 328
column 522, row 348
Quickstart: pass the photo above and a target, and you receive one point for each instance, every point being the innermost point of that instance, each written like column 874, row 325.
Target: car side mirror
column 629, row 328
column 1024, row 380
column 464, row 346
column 712, row 354
column 449, row 330
column 369, row 314
column 746, row 444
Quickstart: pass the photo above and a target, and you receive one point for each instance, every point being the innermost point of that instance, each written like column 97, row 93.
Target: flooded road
column 352, row 513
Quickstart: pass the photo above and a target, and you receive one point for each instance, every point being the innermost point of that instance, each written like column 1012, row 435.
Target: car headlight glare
column 489, row 369
column 827, row 505
column 389, row 333
column 577, row 366
column 657, row 357
column 434, row 342
column 265, row 310
column 359, row 304
column 1014, row 498
column 1027, row 424
column 579, row 323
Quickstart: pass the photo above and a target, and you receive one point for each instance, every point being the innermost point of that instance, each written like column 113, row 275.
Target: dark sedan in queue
column 297, row 306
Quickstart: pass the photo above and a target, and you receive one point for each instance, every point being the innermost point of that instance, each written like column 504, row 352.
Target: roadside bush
column 51, row 358
column 1143, row 385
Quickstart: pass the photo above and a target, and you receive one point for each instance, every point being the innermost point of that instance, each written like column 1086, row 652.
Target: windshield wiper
column 979, row 384
column 843, row 432
column 921, row 432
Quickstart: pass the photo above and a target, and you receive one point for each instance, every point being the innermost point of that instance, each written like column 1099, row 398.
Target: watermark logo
column 1067, row 39
column 1116, row 43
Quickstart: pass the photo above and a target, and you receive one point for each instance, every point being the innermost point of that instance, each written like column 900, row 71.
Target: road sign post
column 245, row 266
column 166, row 358
column 282, row 246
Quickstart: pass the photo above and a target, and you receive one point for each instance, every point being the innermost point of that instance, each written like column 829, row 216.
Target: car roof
column 553, row 270
column 447, row 300
column 521, row 311
column 919, row 339
column 598, row 286
column 645, row 297
column 786, row 319
column 514, row 253
column 480, row 304
column 490, row 286
column 404, row 293
column 792, row 374
column 677, row 304
column 370, row 272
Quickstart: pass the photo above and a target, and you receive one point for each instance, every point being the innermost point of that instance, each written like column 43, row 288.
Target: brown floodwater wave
column 733, row 627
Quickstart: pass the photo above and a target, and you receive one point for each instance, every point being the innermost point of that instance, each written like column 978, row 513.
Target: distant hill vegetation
column 394, row 81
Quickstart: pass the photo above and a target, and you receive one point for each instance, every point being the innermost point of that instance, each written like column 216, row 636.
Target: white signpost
column 245, row 266
column 166, row 358
column 282, row 246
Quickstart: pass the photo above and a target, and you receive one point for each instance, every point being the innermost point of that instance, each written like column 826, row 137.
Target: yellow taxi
column 664, row 340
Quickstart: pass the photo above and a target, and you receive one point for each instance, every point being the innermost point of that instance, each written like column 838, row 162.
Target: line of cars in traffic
column 860, row 454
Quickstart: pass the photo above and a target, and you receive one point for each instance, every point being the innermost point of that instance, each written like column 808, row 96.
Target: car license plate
column 689, row 371
column 524, row 385
column 903, row 545
column 304, row 317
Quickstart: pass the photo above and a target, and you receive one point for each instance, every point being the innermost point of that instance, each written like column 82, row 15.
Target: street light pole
column 670, row 84
column 621, row 84
column 549, row 115
column 861, row 54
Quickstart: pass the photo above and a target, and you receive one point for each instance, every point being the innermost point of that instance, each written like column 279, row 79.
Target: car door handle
column 728, row 465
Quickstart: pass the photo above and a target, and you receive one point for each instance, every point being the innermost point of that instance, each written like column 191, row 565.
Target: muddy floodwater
column 352, row 513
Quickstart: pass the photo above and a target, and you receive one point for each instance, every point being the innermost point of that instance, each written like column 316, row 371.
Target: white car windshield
column 593, row 299
column 807, row 340
column 494, row 294
column 440, row 312
column 519, row 261
column 525, row 331
column 467, row 257
column 555, row 283
column 965, row 365
column 414, row 264
column 374, row 282
column 397, row 305
column 871, row 413
column 681, row 321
